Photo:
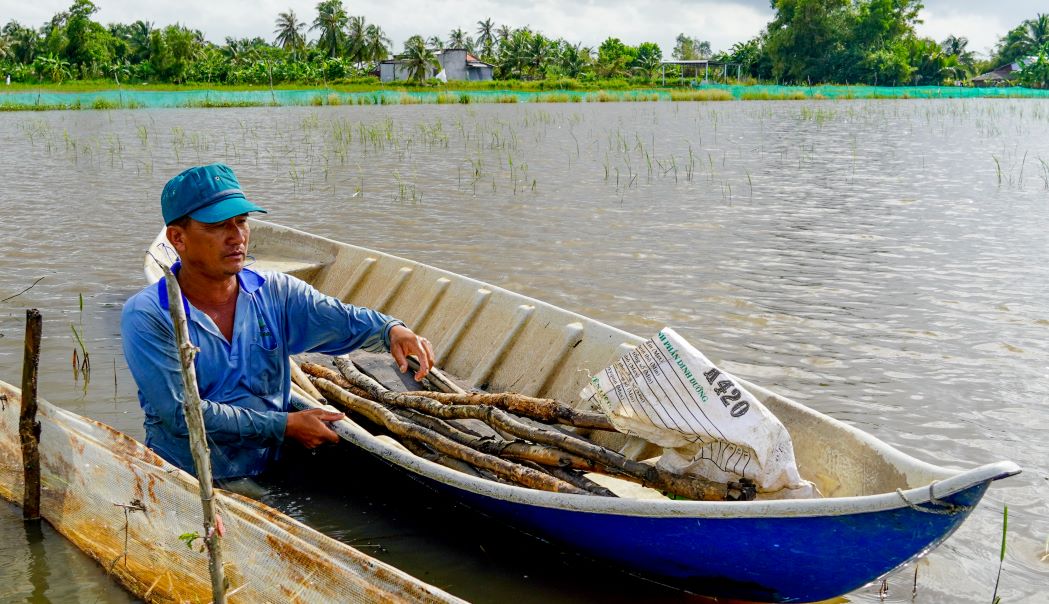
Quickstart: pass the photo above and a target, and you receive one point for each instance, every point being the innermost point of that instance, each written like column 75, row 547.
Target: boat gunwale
column 670, row 508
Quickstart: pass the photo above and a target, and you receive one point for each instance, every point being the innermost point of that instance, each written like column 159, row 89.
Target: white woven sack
column 666, row 392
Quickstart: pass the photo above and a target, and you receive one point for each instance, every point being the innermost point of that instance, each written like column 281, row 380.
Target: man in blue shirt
column 245, row 324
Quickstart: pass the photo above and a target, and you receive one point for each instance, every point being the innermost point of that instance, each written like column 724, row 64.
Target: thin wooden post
column 28, row 427
column 198, row 442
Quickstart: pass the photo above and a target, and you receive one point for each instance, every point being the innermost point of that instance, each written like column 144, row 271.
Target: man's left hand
column 404, row 342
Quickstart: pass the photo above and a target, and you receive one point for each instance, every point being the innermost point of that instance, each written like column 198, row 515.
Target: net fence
column 133, row 99
column 135, row 514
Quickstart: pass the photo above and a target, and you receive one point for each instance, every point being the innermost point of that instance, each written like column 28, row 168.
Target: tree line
column 807, row 41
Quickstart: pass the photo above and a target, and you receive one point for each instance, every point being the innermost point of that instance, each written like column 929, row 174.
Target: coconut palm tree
column 23, row 42
column 418, row 58
column 573, row 59
column 435, row 42
column 538, row 52
column 376, row 44
column 237, row 51
column 289, row 32
column 457, row 38
column 356, row 31
column 519, row 53
column 138, row 40
column 1036, row 32
column 503, row 33
column 957, row 46
column 485, row 36
column 331, row 19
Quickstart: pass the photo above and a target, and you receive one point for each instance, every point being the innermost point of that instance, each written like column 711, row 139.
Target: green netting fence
column 132, row 99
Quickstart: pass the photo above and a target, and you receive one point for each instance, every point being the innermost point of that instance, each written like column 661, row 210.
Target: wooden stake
column 198, row 443
column 28, row 427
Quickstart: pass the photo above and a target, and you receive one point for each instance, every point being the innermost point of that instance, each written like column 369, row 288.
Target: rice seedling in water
column 995, row 598
column 81, row 358
column 1044, row 174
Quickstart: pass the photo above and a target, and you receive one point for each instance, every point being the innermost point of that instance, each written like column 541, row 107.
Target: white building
column 456, row 63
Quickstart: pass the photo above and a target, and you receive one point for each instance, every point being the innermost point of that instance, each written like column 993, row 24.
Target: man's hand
column 404, row 342
column 309, row 427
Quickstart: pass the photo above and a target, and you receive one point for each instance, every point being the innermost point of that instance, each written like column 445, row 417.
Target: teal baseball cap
column 209, row 193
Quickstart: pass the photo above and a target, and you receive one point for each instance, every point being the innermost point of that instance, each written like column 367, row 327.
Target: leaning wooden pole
column 28, row 427
column 198, row 442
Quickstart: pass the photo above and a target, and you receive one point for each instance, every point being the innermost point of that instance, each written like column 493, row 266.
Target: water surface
column 884, row 262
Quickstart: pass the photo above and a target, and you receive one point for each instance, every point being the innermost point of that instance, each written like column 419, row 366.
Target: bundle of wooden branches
column 507, row 436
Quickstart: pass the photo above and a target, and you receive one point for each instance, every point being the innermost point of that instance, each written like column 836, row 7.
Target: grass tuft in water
column 995, row 598
column 709, row 94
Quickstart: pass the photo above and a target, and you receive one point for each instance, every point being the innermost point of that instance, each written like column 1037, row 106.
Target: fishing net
column 112, row 99
column 134, row 513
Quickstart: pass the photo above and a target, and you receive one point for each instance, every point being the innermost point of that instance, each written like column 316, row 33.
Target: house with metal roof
column 1004, row 74
column 456, row 64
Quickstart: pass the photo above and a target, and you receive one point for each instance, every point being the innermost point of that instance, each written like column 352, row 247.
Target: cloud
column 982, row 30
column 722, row 22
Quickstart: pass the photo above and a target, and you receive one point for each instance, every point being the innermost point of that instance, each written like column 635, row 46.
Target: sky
column 722, row 22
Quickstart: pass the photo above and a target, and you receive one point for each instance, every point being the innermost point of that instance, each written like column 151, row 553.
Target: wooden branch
column 574, row 477
column 320, row 371
column 548, row 456
column 382, row 416
column 542, row 409
column 28, row 427
column 299, row 379
column 649, row 475
column 436, row 378
column 425, row 452
column 510, row 449
column 198, row 444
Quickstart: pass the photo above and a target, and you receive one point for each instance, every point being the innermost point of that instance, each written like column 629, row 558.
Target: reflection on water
column 37, row 565
column 882, row 261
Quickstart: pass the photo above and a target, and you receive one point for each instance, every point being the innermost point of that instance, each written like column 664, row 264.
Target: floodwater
column 884, row 262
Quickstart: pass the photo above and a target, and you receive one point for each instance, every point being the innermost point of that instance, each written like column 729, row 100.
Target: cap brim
column 225, row 209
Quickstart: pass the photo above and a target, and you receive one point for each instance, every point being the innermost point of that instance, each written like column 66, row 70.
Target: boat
column 138, row 516
column 880, row 508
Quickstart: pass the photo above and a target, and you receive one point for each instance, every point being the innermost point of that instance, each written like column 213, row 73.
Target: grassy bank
column 102, row 96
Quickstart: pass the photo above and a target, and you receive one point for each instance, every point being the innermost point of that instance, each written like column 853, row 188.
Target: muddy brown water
column 884, row 262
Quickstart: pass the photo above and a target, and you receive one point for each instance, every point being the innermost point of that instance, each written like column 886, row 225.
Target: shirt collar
column 249, row 281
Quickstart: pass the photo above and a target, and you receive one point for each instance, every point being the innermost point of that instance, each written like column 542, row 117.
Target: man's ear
column 177, row 238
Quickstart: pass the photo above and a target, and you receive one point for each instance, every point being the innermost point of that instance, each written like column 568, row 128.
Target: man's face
column 215, row 249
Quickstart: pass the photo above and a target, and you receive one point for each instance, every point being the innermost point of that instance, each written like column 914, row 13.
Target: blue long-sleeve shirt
column 244, row 383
